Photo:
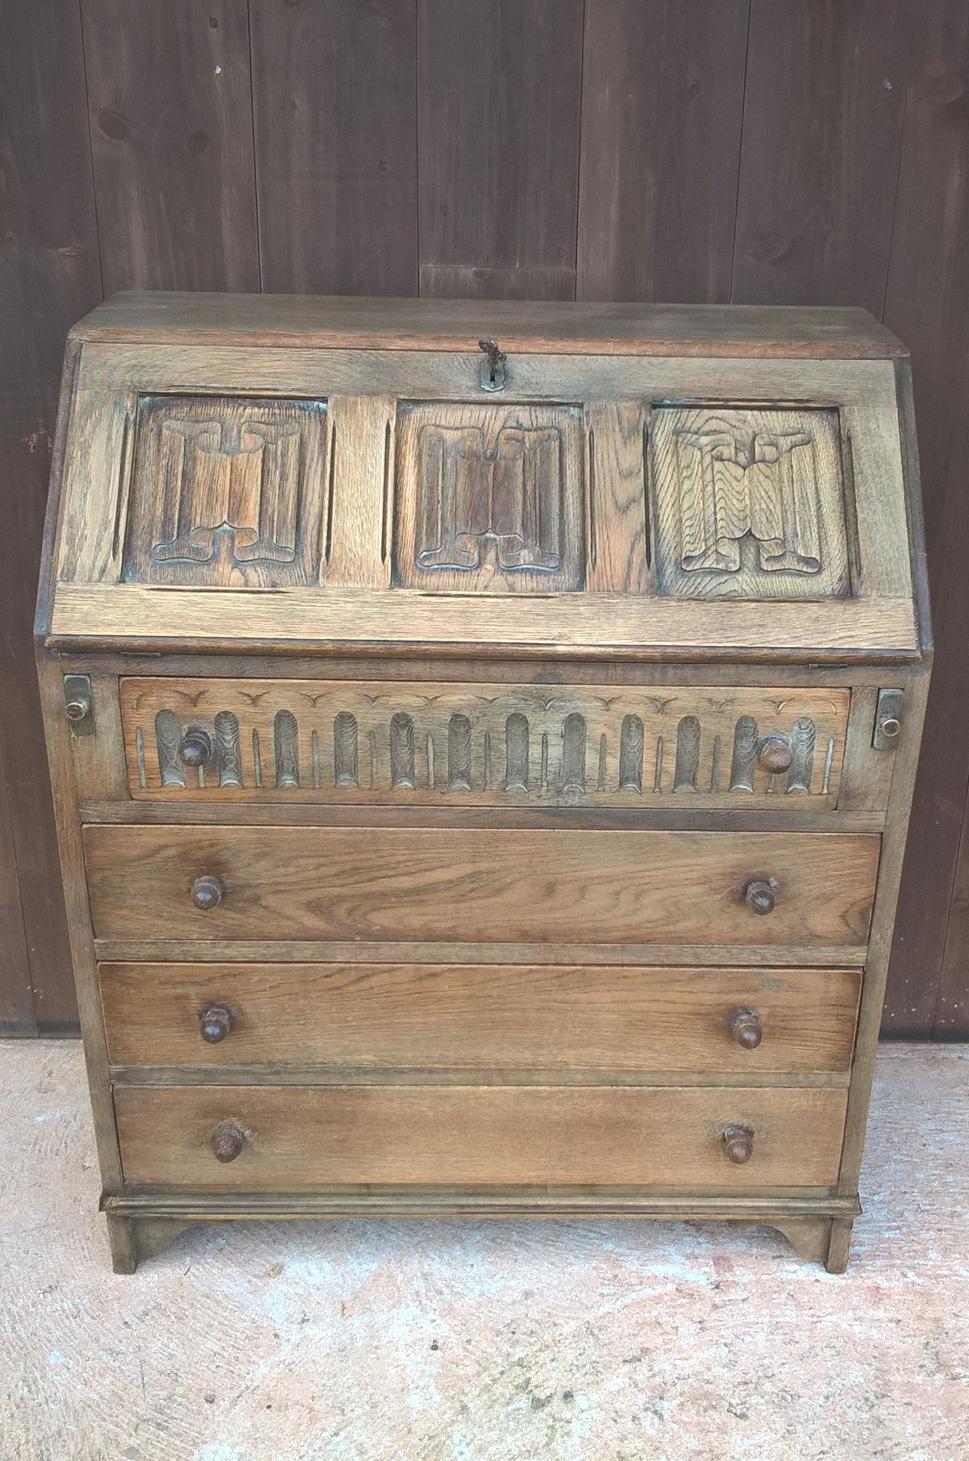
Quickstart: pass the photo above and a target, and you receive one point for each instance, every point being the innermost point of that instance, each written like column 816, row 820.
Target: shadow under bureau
column 483, row 738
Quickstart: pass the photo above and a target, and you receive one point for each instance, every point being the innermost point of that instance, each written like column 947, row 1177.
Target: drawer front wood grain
column 300, row 1137
column 367, row 1017
column 482, row 885
column 440, row 744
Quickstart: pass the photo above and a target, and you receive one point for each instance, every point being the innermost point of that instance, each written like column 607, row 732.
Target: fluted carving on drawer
column 573, row 754
column 459, row 753
column 402, row 751
column 532, row 744
column 744, row 762
column 227, row 749
column 802, row 755
column 631, row 754
column 687, row 754
column 516, row 752
column 345, row 766
column 168, row 733
column 286, row 748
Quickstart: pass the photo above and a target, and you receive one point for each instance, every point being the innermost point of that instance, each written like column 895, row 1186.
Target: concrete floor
column 507, row 1341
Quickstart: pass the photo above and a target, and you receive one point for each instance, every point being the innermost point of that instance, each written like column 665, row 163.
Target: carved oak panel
column 490, row 745
column 227, row 492
column 748, row 503
column 489, row 498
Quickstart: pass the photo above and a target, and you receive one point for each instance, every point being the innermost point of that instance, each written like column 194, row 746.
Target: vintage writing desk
column 483, row 738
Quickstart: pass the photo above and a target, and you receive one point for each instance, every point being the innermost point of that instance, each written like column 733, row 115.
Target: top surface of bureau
column 622, row 482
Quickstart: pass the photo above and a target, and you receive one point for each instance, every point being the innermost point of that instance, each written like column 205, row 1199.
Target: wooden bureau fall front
column 483, row 738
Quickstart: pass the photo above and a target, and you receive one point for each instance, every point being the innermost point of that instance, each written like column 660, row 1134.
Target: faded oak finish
column 483, row 739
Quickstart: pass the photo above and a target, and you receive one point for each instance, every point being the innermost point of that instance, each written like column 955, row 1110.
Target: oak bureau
column 483, row 737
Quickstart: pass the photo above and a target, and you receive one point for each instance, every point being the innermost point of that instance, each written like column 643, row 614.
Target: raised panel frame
column 612, row 616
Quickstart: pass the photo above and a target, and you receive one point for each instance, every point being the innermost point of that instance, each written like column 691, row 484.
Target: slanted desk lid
column 613, row 500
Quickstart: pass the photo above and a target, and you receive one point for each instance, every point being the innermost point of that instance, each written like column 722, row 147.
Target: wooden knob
column 745, row 1026
column 195, row 747
column 738, row 1143
column 215, row 1022
column 760, row 895
column 774, row 753
column 228, row 1139
column 207, row 892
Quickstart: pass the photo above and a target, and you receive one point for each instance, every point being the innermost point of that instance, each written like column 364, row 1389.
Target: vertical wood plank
column 662, row 103
column 48, row 278
column 952, row 1008
column 928, row 305
column 823, row 115
column 499, row 99
column 171, row 130
column 335, row 103
column 16, row 994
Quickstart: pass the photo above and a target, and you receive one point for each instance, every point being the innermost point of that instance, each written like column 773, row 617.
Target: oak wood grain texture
column 357, row 535
column 662, row 103
column 749, row 504
column 617, row 527
column 335, row 115
column 434, row 884
column 498, row 148
column 77, row 906
column 824, row 104
column 928, row 297
column 483, row 744
column 186, row 949
column 225, row 492
column 169, row 95
column 586, row 626
column 308, row 321
column 474, row 1017
column 300, row 1138
column 489, row 498
column 48, row 275
column 550, row 1201
column 455, row 375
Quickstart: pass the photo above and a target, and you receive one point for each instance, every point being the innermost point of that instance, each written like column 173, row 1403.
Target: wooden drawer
column 401, row 743
column 555, row 887
column 371, row 1017
column 300, row 1137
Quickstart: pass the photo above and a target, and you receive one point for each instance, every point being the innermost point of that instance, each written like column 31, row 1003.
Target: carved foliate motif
column 748, row 503
column 226, row 490
column 489, row 497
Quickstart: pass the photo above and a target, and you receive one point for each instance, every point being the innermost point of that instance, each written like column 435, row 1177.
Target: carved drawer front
column 469, row 1017
column 453, row 745
column 475, row 886
column 297, row 1138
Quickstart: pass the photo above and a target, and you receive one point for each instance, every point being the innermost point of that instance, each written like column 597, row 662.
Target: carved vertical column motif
column 345, row 767
column 516, row 753
column 286, row 748
column 168, row 733
column 459, row 753
column 687, row 754
column 486, row 743
column 227, row 749
column 802, row 756
column 744, row 762
column 402, row 751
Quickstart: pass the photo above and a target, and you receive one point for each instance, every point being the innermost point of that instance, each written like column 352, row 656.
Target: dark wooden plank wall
column 776, row 151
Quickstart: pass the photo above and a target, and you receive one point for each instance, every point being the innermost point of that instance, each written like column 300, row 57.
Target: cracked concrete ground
column 474, row 1341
